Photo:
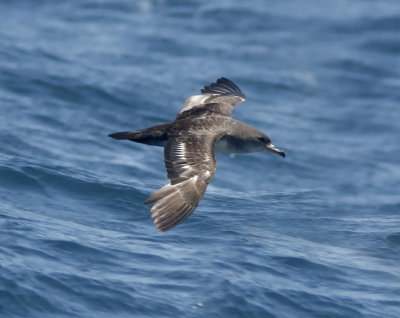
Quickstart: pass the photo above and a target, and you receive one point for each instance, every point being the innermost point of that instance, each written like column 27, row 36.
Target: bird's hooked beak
column 271, row 148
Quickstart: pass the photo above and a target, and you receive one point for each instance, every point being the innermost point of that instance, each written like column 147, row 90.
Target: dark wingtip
column 223, row 86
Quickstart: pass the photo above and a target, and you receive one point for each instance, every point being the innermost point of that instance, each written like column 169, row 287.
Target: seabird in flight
column 203, row 126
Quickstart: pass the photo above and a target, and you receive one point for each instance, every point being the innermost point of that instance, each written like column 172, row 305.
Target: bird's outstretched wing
column 190, row 162
column 222, row 95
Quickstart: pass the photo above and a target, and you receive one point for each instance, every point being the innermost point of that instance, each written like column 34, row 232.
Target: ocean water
column 316, row 234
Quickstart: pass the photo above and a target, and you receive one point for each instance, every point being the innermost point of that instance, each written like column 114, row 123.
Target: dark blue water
column 314, row 235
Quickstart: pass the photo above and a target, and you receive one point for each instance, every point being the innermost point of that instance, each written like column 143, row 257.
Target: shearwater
column 203, row 126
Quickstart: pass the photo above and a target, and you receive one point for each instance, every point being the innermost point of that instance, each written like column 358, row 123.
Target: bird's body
column 203, row 127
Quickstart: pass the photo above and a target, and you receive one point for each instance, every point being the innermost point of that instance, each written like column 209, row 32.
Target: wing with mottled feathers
column 190, row 162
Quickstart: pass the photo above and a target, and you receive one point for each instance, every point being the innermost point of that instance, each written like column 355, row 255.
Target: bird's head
column 265, row 141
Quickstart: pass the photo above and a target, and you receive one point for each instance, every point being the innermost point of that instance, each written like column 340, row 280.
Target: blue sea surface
column 316, row 234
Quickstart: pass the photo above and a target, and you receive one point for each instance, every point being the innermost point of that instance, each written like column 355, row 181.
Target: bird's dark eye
column 265, row 140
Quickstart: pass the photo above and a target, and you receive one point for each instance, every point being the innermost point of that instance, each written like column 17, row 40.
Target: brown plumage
column 203, row 126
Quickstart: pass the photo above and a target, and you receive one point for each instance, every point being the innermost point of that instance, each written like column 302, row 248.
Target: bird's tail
column 155, row 136
column 134, row 135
